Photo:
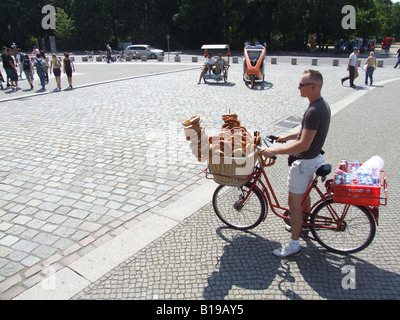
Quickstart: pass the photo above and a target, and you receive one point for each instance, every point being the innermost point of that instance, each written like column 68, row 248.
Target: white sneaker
column 286, row 252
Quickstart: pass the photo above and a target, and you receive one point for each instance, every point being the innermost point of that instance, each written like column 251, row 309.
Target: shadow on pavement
column 248, row 263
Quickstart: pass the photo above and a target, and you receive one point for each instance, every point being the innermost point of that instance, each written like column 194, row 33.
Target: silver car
column 144, row 49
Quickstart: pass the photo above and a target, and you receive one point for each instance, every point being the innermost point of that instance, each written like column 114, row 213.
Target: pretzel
column 193, row 132
column 232, row 123
column 229, row 116
column 238, row 129
column 191, row 121
column 250, row 148
column 213, row 139
column 233, row 141
column 216, row 153
column 239, row 153
column 248, row 137
column 257, row 141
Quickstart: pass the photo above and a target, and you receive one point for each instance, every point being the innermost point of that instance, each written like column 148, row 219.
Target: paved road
column 201, row 259
column 83, row 170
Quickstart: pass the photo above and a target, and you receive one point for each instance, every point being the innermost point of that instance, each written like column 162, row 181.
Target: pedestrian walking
column 35, row 51
column 55, row 66
column 28, row 70
column 11, row 70
column 370, row 66
column 1, row 80
column 398, row 58
column 68, row 68
column 109, row 53
column 20, row 60
column 46, row 65
column 306, row 155
column 40, row 70
column 4, row 61
column 351, row 67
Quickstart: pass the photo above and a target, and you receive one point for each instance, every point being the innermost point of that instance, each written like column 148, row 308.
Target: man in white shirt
column 209, row 63
column 351, row 67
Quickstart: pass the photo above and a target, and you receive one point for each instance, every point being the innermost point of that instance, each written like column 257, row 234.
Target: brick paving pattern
column 80, row 167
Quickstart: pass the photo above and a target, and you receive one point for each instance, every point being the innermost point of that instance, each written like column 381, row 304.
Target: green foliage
column 65, row 25
column 90, row 24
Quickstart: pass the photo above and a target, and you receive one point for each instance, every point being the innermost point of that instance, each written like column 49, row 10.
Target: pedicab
column 253, row 66
column 219, row 51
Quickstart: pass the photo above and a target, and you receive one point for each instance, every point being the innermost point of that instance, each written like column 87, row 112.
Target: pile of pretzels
column 196, row 134
column 234, row 141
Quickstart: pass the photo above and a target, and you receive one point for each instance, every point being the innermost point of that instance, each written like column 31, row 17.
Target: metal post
column 168, row 37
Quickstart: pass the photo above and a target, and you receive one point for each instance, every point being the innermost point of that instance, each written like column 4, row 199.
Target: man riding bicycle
column 305, row 155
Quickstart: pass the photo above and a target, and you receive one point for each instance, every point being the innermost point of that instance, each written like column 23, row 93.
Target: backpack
column 39, row 66
column 27, row 65
column 20, row 58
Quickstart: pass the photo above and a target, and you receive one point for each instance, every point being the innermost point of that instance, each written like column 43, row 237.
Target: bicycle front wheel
column 353, row 230
column 238, row 208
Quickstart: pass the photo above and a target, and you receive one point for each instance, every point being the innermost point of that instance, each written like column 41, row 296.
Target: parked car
column 144, row 49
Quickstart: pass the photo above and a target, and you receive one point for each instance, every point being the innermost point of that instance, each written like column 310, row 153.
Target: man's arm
column 300, row 146
column 12, row 66
column 289, row 137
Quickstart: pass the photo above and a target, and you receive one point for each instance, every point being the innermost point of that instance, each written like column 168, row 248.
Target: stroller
column 386, row 44
column 253, row 66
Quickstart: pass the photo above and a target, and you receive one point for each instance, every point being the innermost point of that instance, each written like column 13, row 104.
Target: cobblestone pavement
column 80, row 167
column 203, row 260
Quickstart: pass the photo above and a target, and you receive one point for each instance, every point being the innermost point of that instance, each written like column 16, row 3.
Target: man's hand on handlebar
column 268, row 153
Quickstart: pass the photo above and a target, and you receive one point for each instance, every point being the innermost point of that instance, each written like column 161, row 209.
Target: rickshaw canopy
column 215, row 47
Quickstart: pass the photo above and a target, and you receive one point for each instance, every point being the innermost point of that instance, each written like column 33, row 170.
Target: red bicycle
column 341, row 228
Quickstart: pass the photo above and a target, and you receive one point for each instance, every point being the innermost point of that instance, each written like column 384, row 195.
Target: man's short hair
column 316, row 77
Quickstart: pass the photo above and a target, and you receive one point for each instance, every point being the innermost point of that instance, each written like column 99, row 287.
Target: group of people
column 369, row 67
column 15, row 58
column 210, row 63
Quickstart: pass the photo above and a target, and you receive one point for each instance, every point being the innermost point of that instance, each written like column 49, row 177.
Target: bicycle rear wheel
column 352, row 234
column 231, row 209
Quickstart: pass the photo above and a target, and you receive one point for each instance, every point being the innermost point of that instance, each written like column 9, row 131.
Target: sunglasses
column 301, row 85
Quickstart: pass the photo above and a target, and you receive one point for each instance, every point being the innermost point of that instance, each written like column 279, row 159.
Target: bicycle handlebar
column 268, row 140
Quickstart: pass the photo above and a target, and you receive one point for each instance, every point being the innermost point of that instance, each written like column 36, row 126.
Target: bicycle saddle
column 324, row 171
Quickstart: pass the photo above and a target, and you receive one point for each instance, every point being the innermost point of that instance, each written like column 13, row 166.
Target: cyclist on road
column 306, row 155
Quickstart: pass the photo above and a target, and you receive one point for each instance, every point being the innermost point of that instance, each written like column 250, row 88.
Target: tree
column 396, row 20
column 64, row 28
column 90, row 24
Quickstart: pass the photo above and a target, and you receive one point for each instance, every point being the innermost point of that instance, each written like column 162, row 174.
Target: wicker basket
column 233, row 172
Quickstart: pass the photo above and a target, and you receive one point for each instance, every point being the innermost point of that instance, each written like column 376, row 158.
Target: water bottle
column 375, row 162
column 348, row 179
column 374, row 166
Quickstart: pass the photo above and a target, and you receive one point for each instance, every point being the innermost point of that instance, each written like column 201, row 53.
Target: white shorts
column 302, row 173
